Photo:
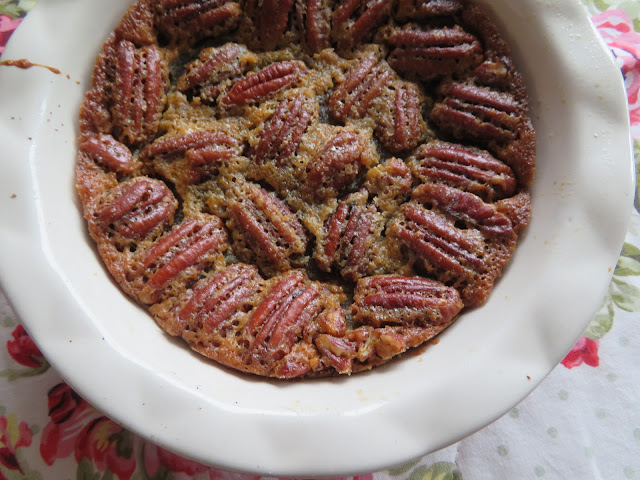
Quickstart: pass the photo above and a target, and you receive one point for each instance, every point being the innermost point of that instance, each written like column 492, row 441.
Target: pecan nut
column 283, row 131
column 213, row 301
column 272, row 21
column 139, row 95
column 391, row 299
column 348, row 238
column 180, row 255
column 354, row 21
column 265, row 229
column 260, row 85
column 400, row 126
column 314, row 20
column 197, row 18
column 461, row 240
column 466, row 168
column 215, row 68
column 422, row 9
column 278, row 321
column 107, row 151
column 335, row 166
column 362, row 85
column 429, row 53
column 492, row 119
column 135, row 210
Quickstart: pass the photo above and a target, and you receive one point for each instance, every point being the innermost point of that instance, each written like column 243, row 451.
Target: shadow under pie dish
column 301, row 188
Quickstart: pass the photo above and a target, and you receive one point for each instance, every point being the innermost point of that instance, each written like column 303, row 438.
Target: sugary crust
column 305, row 188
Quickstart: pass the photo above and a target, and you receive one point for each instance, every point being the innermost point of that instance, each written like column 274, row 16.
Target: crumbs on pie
column 303, row 188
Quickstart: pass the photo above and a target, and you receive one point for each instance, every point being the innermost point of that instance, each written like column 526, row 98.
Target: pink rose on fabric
column 585, row 351
column 13, row 434
column 23, row 350
column 617, row 31
column 7, row 26
column 107, row 445
column 68, row 415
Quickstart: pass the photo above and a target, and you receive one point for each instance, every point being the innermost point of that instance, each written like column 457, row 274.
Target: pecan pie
column 303, row 188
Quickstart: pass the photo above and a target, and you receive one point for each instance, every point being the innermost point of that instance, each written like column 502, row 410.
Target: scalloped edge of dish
column 483, row 365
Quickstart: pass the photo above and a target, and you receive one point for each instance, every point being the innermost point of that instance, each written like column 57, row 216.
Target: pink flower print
column 7, row 26
column 68, row 415
column 617, row 31
column 23, row 350
column 107, row 445
column 13, row 434
column 156, row 457
column 585, row 351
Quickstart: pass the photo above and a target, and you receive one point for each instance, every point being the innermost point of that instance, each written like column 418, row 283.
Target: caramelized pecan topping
column 426, row 53
column 135, row 210
column 355, row 20
column 265, row 229
column 272, row 21
column 364, row 82
column 257, row 86
column 201, row 148
column 186, row 250
column 139, row 94
column 401, row 128
column 492, row 119
column 466, row 168
column 198, row 18
column 214, row 69
column 282, row 132
column 108, row 152
column 347, row 238
column 279, row 320
column 212, row 301
column 335, row 166
column 421, row 9
column 393, row 299
column 314, row 18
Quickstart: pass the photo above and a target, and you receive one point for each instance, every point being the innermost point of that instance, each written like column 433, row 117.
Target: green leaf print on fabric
column 625, row 295
column 14, row 8
column 402, row 469
column 437, row 471
column 602, row 322
column 85, row 471
column 13, row 374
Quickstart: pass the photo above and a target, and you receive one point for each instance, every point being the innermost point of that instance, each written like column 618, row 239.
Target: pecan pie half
column 305, row 188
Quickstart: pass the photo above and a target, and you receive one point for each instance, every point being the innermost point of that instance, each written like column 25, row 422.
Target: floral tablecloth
column 582, row 422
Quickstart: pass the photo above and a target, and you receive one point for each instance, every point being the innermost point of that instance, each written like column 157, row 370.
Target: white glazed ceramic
column 115, row 356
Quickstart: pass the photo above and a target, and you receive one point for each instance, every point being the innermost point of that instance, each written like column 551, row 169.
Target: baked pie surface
column 305, row 188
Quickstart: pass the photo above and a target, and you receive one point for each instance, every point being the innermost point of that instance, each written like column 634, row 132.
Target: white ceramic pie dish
column 116, row 357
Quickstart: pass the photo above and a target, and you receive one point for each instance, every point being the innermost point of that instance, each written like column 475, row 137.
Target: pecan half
column 314, row 19
column 139, row 95
column 134, row 210
column 458, row 238
column 428, row 53
column 214, row 300
column 490, row 118
column 282, row 132
column 257, row 86
column 214, row 69
column 354, row 21
column 421, row 9
column 108, row 152
column 347, row 238
column 272, row 21
column 335, row 166
column 401, row 127
column 364, row 82
column 279, row 320
column 393, row 299
column 205, row 147
column 466, row 168
column 265, row 229
column 180, row 254
column 196, row 18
